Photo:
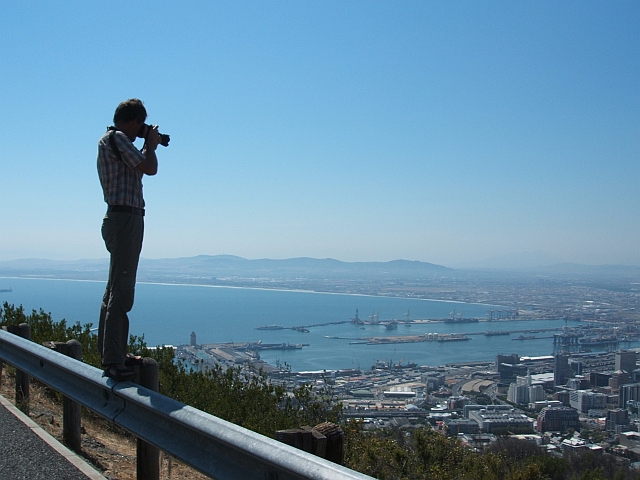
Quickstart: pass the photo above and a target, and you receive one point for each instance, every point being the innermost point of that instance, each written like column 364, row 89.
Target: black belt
column 125, row 209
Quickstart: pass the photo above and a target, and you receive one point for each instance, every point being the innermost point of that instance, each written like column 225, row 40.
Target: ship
column 381, row 365
column 6, row 290
column 494, row 333
column 388, row 365
column 399, row 365
column 598, row 341
column 282, row 346
column 453, row 338
column 393, row 325
column 461, row 320
column 271, row 327
column 356, row 320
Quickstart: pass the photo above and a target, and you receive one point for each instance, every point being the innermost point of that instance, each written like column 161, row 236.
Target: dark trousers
column 122, row 234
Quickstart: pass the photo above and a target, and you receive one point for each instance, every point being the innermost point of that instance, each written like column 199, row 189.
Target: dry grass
column 109, row 448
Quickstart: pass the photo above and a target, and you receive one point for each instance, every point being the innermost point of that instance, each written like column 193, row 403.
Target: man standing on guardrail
column 120, row 168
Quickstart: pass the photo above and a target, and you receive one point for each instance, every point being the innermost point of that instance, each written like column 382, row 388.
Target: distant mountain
column 312, row 268
column 227, row 266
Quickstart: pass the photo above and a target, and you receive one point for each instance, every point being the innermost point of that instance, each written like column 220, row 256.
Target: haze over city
column 465, row 134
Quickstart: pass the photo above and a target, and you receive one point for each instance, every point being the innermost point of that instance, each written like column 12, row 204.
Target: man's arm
column 149, row 166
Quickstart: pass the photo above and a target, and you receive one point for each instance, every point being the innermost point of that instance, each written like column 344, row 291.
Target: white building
column 585, row 400
column 491, row 420
column 524, row 391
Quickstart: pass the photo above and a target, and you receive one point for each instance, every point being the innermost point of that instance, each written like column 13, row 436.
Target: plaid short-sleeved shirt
column 121, row 181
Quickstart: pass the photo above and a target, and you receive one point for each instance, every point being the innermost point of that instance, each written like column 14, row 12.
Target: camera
column 144, row 129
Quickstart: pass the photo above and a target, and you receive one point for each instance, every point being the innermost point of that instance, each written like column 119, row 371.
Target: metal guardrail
column 209, row 444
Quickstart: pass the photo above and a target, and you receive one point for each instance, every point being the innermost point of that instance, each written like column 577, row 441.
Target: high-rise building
column 193, row 339
column 523, row 391
column 509, row 367
column 511, row 359
column 518, row 393
column 536, row 394
column 628, row 392
column 562, row 371
column 626, row 361
column 597, row 379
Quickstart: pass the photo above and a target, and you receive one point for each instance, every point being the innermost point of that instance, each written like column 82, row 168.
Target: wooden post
column 148, row 465
column 319, row 445
column 2, row 365
column 335, row 441
column 71, row 417
column 22, row 379
column 305, row 438
column 299, row 438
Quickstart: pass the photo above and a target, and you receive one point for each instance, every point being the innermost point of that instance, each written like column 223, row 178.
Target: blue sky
column 458, row 133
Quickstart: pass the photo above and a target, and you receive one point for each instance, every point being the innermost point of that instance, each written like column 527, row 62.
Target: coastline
column 237, row 287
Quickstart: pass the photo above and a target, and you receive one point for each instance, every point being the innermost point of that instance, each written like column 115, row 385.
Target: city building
column 457, row 403
column 472, row 408
column 538, row 406
column 524, row 391
column 585, row 400
column 564, row 397
column 625, row 360
column 510, row 359
column 509, row 367
column 477, row 442
column 598, row 379
column 617, row 420
column 579, row 382
column 461, row 425
column 629, row 392
column 495, row 420
column 619, row 378
column 562, row 371
column 558, row 419
column 518, row 393
column 433, row 380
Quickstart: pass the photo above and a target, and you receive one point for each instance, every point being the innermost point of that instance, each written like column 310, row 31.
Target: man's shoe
column 131, row 360
column 118, row 373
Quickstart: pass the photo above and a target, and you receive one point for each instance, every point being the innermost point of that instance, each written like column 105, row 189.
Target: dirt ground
column 109, row 448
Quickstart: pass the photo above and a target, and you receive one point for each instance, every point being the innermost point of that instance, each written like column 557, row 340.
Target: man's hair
column 131, row 109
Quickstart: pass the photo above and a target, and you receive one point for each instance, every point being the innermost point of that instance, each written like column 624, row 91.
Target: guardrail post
column 325, row 440
column 71, row 411
column 22, row 379
column 335, row 441
column 2, row 365
column 148, row 464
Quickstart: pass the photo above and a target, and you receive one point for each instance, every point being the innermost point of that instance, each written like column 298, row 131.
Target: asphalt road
column 25, row 455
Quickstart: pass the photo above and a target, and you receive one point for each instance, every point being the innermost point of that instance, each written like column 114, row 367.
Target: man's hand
column 149, row 165
column 152, row 139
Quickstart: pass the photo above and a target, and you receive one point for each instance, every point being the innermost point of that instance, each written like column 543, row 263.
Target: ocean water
column 167, row 314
